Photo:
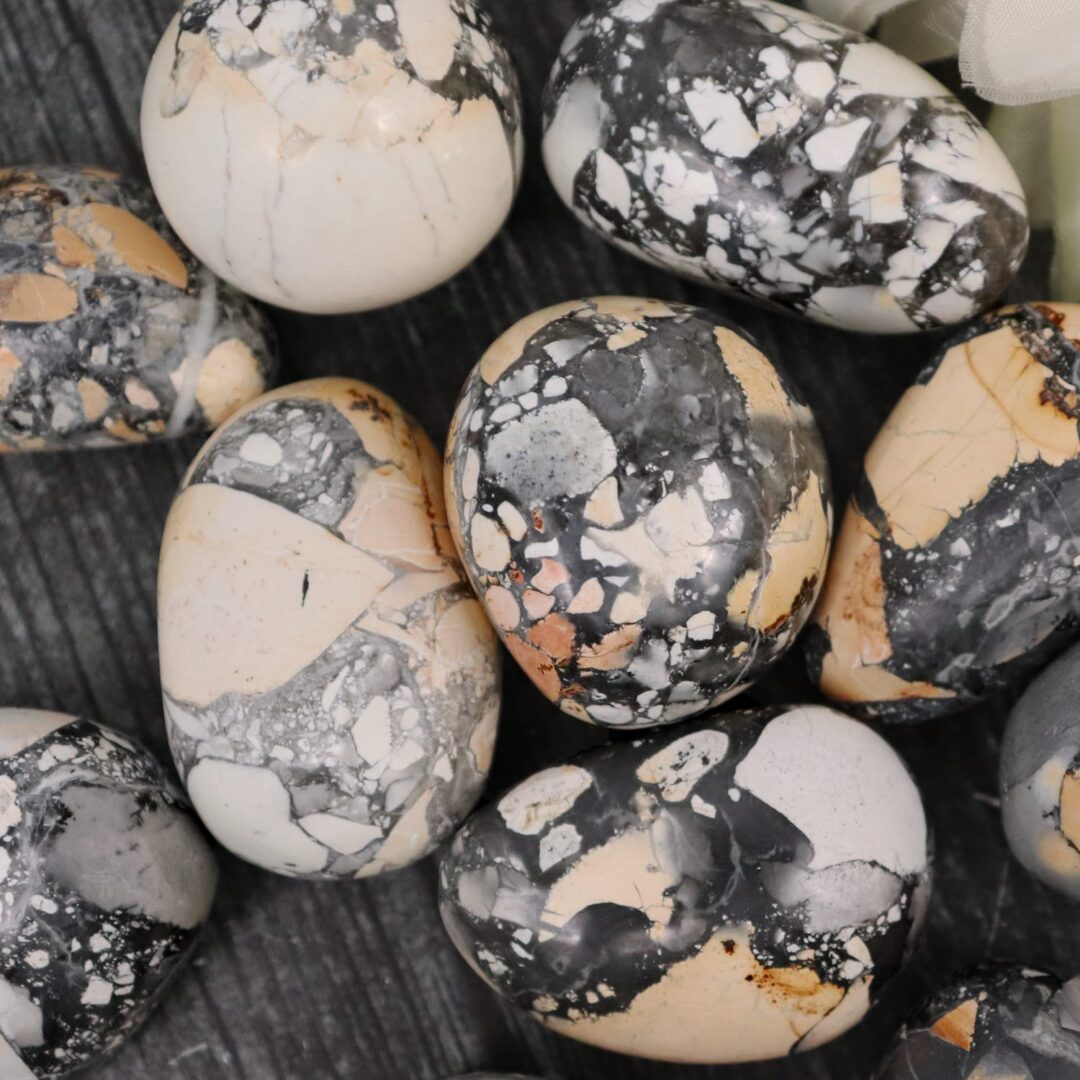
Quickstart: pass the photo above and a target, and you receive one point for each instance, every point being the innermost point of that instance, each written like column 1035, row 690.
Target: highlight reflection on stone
column 762, row 150
column 105, row 881
column 733, row 890
column 993, row 1022
column 641, row 499
column 957, row 567
column 331, row 684
column 1040, row 776
column 110, row 331
column 333, row 155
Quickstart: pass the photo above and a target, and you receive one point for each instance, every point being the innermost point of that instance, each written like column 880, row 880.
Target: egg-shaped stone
column 106, row 879
column 333, row 155
column 992, row 1022
column 764, row 151
column 957, row 566
column 331, row 683
column 1040, row 776
column 736, row 889
column 110, row 331
column 641, row 498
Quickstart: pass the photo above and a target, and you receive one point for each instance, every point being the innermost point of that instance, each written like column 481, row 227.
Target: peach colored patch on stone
column 1070, row 808
column 95, row 399
column 536, row 665
column 36, row 298
column 613, row 652
column 555, row 636
column 852, row 612
column 503, row 607
column 123, row 235
column 550, row 576
column 984, row 410
column 9, row 367
column 958, row 1026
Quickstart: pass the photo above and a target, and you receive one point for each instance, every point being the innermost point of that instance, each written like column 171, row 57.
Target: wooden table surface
column 299, row 981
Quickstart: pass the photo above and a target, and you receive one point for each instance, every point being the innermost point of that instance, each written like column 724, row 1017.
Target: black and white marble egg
column 735, row 889
column 956, row 572
column 1040, row 776
column 641, row 499
column 993, row 1022
column 762, row 150
column 331, row 683
column 110, row 331
column 105, row 881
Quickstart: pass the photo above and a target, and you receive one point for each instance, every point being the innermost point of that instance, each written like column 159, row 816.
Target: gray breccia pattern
column 105, row 881
column 734, row 889
column 482, row 68
column 366, row 737
column 762, row 150
column 992, row 1022
column 641, row 499
column 111, row 332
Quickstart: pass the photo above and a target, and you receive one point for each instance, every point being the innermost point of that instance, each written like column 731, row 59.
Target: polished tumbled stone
column 111, row 332
column 105, row 881
column 759, row 149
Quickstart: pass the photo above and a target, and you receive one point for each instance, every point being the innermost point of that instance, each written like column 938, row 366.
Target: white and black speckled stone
column 105, row 881
column 757, row 148
column 331, row 684
column 956, row 572
column 993, row 1022
column 641, row 499
column 110, row 331
column 1040, row 776
column 737, row 889
column 333, row 155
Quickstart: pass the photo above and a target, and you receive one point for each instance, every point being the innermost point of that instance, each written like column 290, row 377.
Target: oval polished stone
column 641, row 499
column 1040, row 776
column 333, row 155
column 331, row 684
column 957, row 567
column 762, row 150
column 736, row 889
column 105, row 882
column 993, row 1022
column 110, row 331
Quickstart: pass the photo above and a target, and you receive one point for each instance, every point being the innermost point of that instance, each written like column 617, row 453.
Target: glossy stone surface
column 641, row 498
column 110, row 331
column 759, row 149
column 994, row 1022
column 333, row 155
column 736, row 889
column 331, row 684
column 105, row 881
column 1040, row 776
column 957, row 566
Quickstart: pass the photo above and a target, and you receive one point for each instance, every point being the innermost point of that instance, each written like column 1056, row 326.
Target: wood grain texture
column 358, row 981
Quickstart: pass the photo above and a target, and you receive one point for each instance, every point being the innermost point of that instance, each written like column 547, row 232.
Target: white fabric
column 1019, row 53
column 1012, row 52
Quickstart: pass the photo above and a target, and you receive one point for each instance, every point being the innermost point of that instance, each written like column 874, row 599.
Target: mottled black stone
column 734, row 862
column 1013, row 1023
column 996, row 594
column 131, row 328
column 719, row 478
column 105, row 882
column 695, row 135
